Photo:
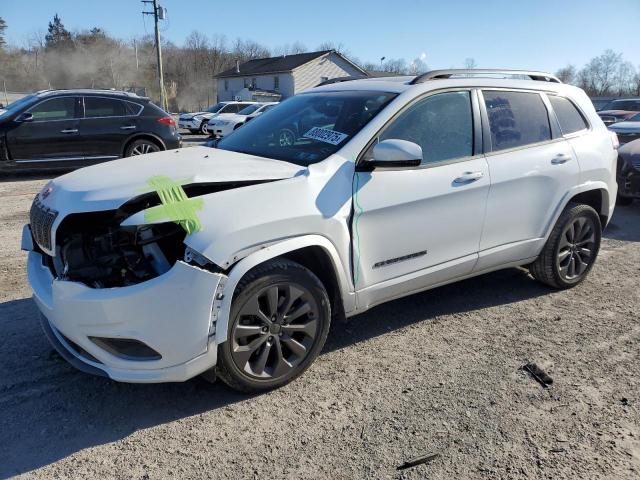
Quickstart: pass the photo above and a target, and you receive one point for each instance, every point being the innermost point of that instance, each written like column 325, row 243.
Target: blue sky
column 533, row 34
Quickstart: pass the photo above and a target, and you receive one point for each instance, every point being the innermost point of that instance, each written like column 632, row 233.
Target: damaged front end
column 95, row 250
column 131, row 301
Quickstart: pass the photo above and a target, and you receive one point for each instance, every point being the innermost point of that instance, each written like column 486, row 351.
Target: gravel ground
column 434, row 372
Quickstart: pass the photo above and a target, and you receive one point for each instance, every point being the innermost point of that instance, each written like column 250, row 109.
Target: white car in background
column 196, row 122
column 225, row 123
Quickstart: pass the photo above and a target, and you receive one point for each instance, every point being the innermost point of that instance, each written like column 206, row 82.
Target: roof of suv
column 91, row 91
column 457, row 78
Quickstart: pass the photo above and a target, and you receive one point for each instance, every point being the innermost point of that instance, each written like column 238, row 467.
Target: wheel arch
column 594, row 194
column 314, row 252
column 143, row 136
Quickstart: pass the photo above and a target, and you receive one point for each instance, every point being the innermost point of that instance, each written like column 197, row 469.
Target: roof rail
column 339, row 80
column 440, row 74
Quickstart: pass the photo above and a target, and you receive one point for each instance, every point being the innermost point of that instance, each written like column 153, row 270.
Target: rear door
column 52, row 136
column 106, row 125
column 532, row 167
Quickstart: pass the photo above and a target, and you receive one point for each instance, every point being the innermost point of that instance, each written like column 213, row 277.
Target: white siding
column 263, row 82
column 306, row 76
column 331, row 66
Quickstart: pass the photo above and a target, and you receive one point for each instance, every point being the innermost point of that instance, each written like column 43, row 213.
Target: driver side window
column 442, row 124
column 61, row 108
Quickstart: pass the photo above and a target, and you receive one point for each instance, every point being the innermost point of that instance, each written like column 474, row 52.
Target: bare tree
column 567, row 74
column 470, row 63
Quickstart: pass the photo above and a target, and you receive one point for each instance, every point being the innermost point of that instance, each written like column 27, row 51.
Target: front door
column 417, row 227
column 51, row 136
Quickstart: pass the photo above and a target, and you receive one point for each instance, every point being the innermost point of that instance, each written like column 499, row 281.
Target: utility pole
column 158, row 13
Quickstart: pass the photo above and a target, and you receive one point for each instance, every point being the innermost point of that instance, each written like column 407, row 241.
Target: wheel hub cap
column 576, row 249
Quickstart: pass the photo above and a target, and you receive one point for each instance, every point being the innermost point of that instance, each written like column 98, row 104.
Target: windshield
column 249, row 110
column 631, row 105
column 215, row 108
column 17, row 105
column 307, row 128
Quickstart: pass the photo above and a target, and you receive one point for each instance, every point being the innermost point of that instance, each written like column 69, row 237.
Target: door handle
column 128, row 127
column 69, row 130
column 468, row 177
column 560, row 159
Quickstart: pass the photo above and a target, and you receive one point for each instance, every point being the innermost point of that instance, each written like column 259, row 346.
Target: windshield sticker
column 325, row 135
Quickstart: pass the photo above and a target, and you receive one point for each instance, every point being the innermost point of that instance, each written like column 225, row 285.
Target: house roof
column 284, row 63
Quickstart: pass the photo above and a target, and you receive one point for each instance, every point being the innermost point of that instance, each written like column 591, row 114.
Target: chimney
column 237, row 66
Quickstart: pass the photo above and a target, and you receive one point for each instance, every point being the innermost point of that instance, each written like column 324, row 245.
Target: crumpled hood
column 108, row 185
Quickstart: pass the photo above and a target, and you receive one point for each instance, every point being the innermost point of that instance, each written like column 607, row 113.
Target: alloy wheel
column 286, row 138
column 576, row 248
column 275, row 331
column 144, row 148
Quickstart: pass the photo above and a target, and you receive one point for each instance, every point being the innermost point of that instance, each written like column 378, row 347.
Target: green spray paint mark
column 176, row 206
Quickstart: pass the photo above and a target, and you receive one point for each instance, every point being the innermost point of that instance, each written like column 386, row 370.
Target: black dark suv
column 73, row 128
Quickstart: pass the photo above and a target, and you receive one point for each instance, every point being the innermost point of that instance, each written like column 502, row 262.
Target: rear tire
column 571, row 249
column 141, row 147
column 204, row 128
column 279, row 322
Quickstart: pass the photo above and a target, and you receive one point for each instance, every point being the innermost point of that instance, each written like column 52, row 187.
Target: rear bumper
column 170, row 313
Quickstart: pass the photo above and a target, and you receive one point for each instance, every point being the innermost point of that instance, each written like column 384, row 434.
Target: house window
column 276, row 83
column 226, row 85
column 246, row 83
column 254, row 82
column 324, row 79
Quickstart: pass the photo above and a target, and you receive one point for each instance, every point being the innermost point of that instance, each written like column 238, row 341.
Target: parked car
column 72, row 128
column 225, row 123
column 233, row 261
column 196, row 122
column 600, row 103
column 619, row 110
column 627, row 130
column 629, row 172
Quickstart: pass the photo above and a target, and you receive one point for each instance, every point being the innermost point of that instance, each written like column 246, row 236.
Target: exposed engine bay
column 97, row 251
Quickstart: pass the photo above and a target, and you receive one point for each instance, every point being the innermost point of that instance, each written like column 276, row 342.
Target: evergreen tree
column 3, row 27
column 58, row 36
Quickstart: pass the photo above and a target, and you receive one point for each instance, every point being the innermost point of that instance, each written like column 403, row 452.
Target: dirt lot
column 435, row 372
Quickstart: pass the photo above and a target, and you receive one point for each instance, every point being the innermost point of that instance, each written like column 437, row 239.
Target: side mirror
column 25, row 117
column 394, row 153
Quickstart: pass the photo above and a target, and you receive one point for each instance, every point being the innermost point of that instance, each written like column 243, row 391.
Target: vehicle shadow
column 50, row 410
column 625, row 223
column 28, row 176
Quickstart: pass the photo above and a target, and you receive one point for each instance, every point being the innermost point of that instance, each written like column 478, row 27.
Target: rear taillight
column 167, row 121
column 614, row 140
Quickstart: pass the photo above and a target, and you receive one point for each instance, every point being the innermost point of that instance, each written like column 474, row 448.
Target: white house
column 271, row 79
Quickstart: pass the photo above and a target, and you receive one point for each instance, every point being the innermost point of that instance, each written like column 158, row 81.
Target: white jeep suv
column 233, row 261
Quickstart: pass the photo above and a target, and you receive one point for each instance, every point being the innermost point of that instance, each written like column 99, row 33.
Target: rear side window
column 568, row 115
column 103, row 107
column 516, row 119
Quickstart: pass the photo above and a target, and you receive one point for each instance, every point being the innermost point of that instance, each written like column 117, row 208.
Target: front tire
column 571, row 249
column 204, row 127
column 280, row 318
